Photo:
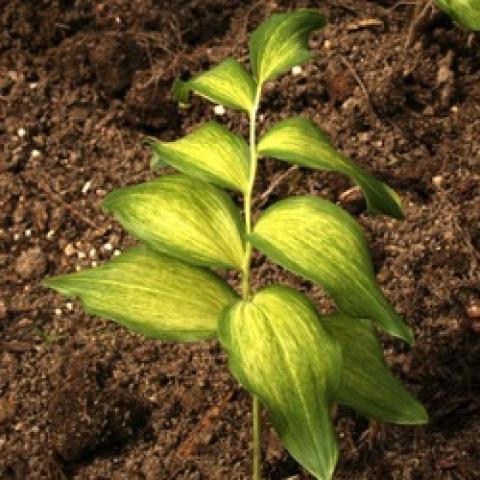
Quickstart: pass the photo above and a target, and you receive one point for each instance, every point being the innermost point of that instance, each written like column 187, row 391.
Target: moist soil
column 81, row 83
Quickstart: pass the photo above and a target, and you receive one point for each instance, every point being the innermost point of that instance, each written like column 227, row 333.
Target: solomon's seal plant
column 465, row 12
column 294, row 361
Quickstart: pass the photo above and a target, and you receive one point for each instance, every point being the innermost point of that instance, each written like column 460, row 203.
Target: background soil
column 81, row 83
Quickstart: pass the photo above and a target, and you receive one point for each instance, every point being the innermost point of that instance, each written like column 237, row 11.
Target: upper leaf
column 279, row 351
column 367, row 384
column 184, row 217
column 152, row 294
column 211, row 153
column 300, row 141
column 281, row 42
column 228, row 84
column 317, row 239
column 465, row 12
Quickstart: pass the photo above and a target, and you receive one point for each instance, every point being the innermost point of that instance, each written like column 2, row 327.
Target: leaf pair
column 276, row 46
column 299, row 363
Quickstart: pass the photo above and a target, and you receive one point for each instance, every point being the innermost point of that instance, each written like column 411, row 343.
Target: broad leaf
column 281, row 42
column 320, row 241
column 367, row 383
column 152, row 294
column 279, row 351
column 211, row 153
column 183, row 217
column 465, row 12
column 300, row 141
column 228, row 84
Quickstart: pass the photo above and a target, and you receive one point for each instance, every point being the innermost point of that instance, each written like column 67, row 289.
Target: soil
column 81, row 83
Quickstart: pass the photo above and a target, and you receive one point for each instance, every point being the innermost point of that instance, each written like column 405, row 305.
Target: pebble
column 50, row 234
column 94, row 263
column 31, row 263
column 117, row 252
column 69, row 306
column 58, row 311
column 473, row 311
column 296, row 70
column 92, row 252
column 108, row 247
column 81, row 254
column 437, row 180
column 87, row 186
column 219, row 110
column 21, row 132
column 69, row 250
column 28, row 232
column 35, row 154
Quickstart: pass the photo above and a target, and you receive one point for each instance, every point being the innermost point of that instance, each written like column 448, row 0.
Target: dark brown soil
column 81, row 83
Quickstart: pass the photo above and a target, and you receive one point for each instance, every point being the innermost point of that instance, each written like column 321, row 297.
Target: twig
column 261, row 199
column 419, row 15
column 360, row 82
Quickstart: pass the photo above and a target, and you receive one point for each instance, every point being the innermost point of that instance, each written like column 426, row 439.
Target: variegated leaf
column 228, row 84
column 281, row 42
column 183, row 217
column 152, row 294
column 320, row 241
column 300, row 141
column 211, row 153
column 280, row 352
column 465, row 12
column 367, row 383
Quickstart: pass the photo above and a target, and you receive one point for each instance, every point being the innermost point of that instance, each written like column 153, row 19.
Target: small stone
column 94, row 263
column 296, row 70
column 21, row 132
column 28, row 232
column 352, row 200
column 31, row 263
column 108, row 247
column 16, row 236
column 437, row 180
column 86, row 187
column 219, row 110
column 92, row 253
column 69, row 250
column 327, row 44
column 473, row 311
column 50, row 234
column 117, row 252
column 69, row 306
column 35, row 154
column 81, row 254
column 58, row 312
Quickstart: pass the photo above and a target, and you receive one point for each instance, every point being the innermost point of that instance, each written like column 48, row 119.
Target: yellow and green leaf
column 465, row 12
column 152, row 294
column 367, row 384
column 281, row 42
column 183, row 217
column 280, row 352
column 228, row 84
column 300, row 141
column 323, row 243
column 211, row 153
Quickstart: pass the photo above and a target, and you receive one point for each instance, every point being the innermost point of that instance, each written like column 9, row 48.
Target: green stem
column 246, row 293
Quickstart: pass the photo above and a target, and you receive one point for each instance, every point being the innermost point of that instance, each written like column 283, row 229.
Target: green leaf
column 152, row 294
column 183, row 217
column 279, row 351
column 300, row 141
column 465, row 12
column 228, row 84
column 211, row 153
column 367, row 383
column 281, row 42
column 320, row 241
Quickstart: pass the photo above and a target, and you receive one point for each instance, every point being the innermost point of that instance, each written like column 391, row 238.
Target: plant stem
column 246, row 293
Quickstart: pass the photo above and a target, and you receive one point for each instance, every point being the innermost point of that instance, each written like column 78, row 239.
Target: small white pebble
column 21, row 132
column 437, row 181
column 87, row 186
column 327, row 44
column 69, row 250
column 78, row 268
column 16, row 236
column 117, row 252
column 69, row 306
column 50, row 234
column 33, row 85
column 94, row 263
column 28, row 232
column 118, row 19
column 219, row 110
column 108, row 247
column 92, row 253
column 58, row 311
column 454, row 109
column 296, row 70
column 35, row 154
column 261, row 117
column 81, row 254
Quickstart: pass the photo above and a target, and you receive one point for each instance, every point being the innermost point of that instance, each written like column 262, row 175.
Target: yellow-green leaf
column 183, row 217
column 281, row 42
column 280, row 352
column 300, row 141
column 228, row 84
column 367, row 383
column 152, row 294
column 211, row 153
column 465, row 12
column 320, row 241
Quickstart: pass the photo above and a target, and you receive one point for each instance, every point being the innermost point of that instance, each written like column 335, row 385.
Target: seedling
column 294, row 361
column 464, row 12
